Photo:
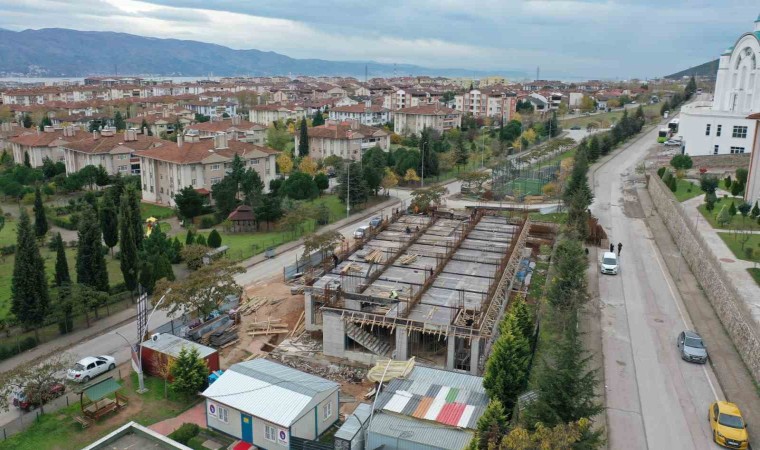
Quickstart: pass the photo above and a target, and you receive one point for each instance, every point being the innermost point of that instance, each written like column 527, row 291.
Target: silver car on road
column 692, row 347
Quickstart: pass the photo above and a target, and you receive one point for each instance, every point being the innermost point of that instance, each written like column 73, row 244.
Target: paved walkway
column 196, row 415
column 734, row 267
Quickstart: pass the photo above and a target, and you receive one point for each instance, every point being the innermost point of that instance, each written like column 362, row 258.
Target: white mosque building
column 722, row 126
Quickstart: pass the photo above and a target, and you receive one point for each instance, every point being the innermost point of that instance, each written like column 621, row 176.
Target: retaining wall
column 723, row 295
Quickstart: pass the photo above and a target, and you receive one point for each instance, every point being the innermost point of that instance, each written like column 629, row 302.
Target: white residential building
column 365, row 113
column 415, row 119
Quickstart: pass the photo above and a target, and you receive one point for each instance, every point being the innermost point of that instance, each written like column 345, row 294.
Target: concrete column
column 308, row 308
column 402, row 344
column 333, row 335
column 474, row 356
column 451, row 343
column 354, row 305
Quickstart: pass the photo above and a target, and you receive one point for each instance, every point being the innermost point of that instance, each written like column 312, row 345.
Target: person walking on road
column 620, row 247
column 612, row 247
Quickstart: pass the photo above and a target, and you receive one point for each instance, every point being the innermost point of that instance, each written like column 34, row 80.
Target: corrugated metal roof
column 270, row 391
column 354, row 422
column 411, row 430
column 171, row 345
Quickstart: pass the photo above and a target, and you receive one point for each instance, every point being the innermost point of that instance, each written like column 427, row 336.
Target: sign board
column 282, row 436
column 142, row 315
column 212, row 409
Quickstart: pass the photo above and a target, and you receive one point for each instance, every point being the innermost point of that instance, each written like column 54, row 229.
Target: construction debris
column 222, row 337
column 407, row 259
column 253, row 304
column 270, row 326
column 388, row 369
column 332, row 372
column 375, row 256
column 299, row 326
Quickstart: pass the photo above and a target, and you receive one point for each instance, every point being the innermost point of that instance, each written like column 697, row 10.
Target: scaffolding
column 516, row 181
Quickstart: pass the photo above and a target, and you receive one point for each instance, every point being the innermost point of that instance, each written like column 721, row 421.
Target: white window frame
column 327, row 410
column 123, row 156
column 215, row 167
column 739, row 132
column 223, row 414
column 215, row 180
column 270, row 433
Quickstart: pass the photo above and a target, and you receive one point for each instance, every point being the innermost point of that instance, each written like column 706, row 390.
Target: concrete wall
column 723, row 296
column 333, row 335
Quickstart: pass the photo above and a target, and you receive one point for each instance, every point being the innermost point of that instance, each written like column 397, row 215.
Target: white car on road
column 90, row 367
column 609, row 263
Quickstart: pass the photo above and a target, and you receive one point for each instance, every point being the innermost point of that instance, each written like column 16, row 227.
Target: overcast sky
column 567, row 38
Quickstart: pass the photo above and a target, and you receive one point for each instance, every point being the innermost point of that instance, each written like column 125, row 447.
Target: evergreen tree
column 109, row 222
column 200, row 240
column 755, row 213
column 507, row 367
column 177, row 249
column 351, row 179
column 144, row 126
column 593, row 149
column 303, row 140
column 45, row 122
column 523, row 317
column 565, row 386
column 691, row 88
column 189, row 372
column 605, row 145
column 118, row 121
column 190, row 238
column 491, row 426
column 29, row 286
column 135, row 216
column 91, row 264
column 673, row 184
column 723, row 218
column 318, row 119
column 568, row 289
column 578, row 181
column 460, row 152
column 40, row 220
column 128, row 243
column 27, row 162
column 214, row 239
column 155, row 259
column 732, row 210
column 61, row 263
column 27, row 121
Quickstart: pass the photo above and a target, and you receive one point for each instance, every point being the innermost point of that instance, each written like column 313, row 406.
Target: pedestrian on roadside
column 612, row 247
column 620, row 247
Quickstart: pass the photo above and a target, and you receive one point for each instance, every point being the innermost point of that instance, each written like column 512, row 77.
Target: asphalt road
column 655, row 400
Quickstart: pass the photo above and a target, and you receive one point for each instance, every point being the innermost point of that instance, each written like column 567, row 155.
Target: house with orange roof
column 366, row 113
column 43, row 144
column 236, row 128
column 348, row 140
column 414, row 119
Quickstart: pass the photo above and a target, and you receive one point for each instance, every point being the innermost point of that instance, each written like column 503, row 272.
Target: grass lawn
column 8, row 233
column 246, row 245
column 755, row 274
column 560, row 217
column 686, row 190
column 736, row 221
column 159, row 212
column 6, row 273
column 609, row 117
column 558, row 158
column 734, row 242
column 58, row 430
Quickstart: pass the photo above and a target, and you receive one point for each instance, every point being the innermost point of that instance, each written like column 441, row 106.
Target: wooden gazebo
column 96, row 403
column 242, row 219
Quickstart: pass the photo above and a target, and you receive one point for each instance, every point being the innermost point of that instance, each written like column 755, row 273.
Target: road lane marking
column 680, row 313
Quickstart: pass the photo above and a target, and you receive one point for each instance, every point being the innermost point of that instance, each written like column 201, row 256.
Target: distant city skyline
column 566, row 38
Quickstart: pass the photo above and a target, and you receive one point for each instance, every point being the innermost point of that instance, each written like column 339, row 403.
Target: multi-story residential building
column 235, row 127
column 349, row 140
column 721, row 126
column 415, row 119
column 199, row 163
column 163, row 122
column 266, row 114
column 110, row 149
column 365, row 113
column 495, row 102
column 407, row 98
column 43, row 144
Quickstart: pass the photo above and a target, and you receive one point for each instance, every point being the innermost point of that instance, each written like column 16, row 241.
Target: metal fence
column 302, row 264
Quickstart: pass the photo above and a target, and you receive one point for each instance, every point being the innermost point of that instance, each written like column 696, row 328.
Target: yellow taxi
column 727, row 424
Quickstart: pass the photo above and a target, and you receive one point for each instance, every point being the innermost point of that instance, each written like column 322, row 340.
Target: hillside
column 708, row 69
column 56, row 52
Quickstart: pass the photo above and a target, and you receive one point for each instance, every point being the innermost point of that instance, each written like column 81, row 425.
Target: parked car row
column 363, row 231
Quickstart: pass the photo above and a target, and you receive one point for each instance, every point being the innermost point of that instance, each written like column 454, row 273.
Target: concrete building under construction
column 434, row 287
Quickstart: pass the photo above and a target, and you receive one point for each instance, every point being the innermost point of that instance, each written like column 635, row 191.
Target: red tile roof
column 196, row 152
column 43, row 139
column 104, row 144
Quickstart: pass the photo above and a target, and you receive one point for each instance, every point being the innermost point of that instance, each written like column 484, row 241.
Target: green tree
column 109, row 222
column 29, row 287
column 605, row 144
column 128, row 243
column 190, row 203
column 205, row 290
column 708, row 184
column 45, row 122
column 737, row 188
column 741, row 175
column 727, row 182
column 673, row 184
column 27, row 121
column 225, row 196
column 303, row 140
column 664, row 108
column 523, row 317
column 507, row 367
column 177, row 249
column 568, row 288
column 61, row 263
column 40, row 220
column 27, row 161
column 318, row 119
column 352, row 186
column 91, row 264
column 300, row 186
column 118, row 121
column 491, row 425
column 732, row 210
column 691, row 88
column 278, row 137
column 755, row 211
column 269, row 210
column 681, row 162
column 322, row 181
column 190, row 238
column 135, row 215
column 155, row 259
column 145, row 128
column 723, row 218
column 214, row 239
column 565, row 385
column 200, row 240
column 251, row 187
column 189, row 372
column 744, row 209
column 460, row 152
column 594, row 149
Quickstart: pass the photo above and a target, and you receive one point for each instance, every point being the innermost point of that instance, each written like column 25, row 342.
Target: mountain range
column 708, row 69
column 59, row 52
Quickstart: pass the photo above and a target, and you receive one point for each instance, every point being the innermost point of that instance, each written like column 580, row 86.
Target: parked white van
column 609, row 263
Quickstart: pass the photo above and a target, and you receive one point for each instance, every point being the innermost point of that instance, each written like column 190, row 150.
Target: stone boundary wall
column 723, row 295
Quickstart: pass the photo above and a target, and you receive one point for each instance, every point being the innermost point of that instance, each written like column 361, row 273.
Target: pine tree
column 523, row 317
column 303, row 140
column 593, row 149
column 755, row 213
column 460, row 153
column 91, row 264
column 506, row 369
column 189, row 371
column 318, row 119
column 29, row 285
column 144, row 126
column 109, row 222
column 27, row 162
column 61, row 263
column 200, row 240
column 190, row 238
column 351, row 178
column 491, row 426
column 177, row 249
column 128, row 247
column 565, row 386
column 723, row 217
column 135, row 220
column 27, row 121
column 214, row 239
column 732, row 210
column 40, row 220
column 118, row 121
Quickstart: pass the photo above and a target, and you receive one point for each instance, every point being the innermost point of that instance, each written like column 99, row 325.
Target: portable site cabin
column 162, row 348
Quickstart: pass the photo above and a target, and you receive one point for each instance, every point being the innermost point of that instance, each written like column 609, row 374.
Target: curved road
column 655, row 400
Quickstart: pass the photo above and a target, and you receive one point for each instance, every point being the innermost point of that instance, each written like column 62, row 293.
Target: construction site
column 433, row 287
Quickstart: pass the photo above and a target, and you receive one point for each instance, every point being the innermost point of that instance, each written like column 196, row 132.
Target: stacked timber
column 267, row 327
